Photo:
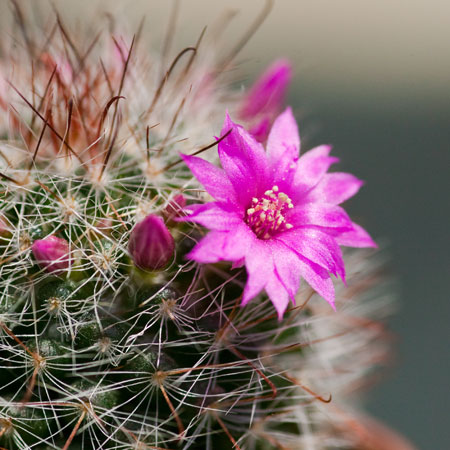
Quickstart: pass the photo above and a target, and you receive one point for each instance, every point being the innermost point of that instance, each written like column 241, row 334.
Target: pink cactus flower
column 275, row 212
column 52, row 253
column 151, row 245
column 265, row 99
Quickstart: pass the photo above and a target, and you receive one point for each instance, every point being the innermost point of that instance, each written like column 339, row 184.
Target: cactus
column 109, row 337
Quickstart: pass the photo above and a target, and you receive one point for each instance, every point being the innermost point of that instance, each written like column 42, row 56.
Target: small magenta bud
column 151, row 245
column 52, row 253
column 175, row 207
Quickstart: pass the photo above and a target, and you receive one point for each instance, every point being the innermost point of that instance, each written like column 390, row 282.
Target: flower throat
column 266, row 215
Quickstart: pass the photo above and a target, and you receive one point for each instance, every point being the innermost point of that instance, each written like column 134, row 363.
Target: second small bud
column 52, row 254
column 151, row 245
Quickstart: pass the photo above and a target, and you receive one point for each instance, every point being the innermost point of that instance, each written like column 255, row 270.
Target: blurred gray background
column 373, row 79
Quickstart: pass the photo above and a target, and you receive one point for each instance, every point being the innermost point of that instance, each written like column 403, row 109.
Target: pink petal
column 213, row 215
column 277, row 294
column 317, row 246
column 322, row 215
column 268, row 92
column 271, row 266
column 259, row 265
column 286, row 268
column 318, row 278
column 357, row 237
column 335, row 188
column 284, row 140
column 244, row 161
column 237, row 264
column 312, row 166
column 222, row 246
column 207, row 249
column 213, row 178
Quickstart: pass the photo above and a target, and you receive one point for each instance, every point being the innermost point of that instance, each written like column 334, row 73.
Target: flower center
column 266, row 215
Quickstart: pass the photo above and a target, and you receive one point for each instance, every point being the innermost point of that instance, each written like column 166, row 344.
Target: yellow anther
column 266, row 215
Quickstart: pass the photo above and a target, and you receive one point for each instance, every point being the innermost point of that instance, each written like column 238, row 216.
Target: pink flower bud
column 151, row 245
column 175, row 207
column 52, row 253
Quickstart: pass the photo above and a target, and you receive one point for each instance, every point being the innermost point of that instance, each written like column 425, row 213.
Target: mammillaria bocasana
column 114, row 333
